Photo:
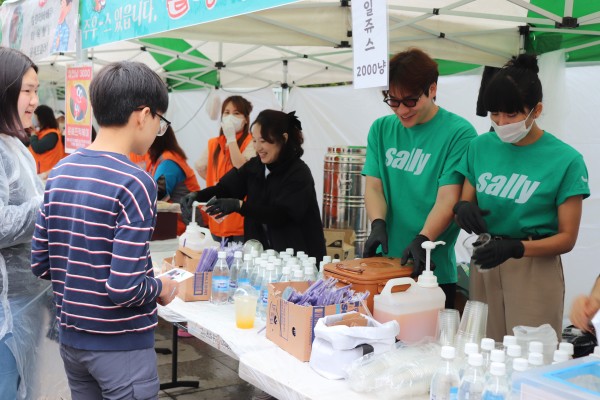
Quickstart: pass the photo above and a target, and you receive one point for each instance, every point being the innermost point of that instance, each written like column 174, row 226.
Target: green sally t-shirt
column 523, row 186
column 412, row 164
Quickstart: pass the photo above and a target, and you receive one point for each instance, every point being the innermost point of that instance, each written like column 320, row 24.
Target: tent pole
column 284, row 84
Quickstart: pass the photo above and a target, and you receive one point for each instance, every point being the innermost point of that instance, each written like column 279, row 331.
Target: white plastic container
column 196, row 237
column 416, row 309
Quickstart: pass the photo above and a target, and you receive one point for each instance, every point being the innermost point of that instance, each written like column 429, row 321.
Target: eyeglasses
column 164, row 123
column 408, row 102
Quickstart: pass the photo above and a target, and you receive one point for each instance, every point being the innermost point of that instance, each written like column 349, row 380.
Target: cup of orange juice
column 245, row 299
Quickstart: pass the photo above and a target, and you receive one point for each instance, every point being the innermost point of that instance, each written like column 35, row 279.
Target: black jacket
column 281, row 209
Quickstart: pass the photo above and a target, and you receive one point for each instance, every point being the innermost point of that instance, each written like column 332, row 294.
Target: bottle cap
column 497, row 369
column 536, row 347
column 560, row 356
column 290, row 251
column 237, row 254
column 448, row 352
column 270, row 267
column 285, row 270
column 508, row 340
column 326, row 259
column 247, row 257
column 471, row 348
column 298, row 273
column 520, row 364
column 568, row 347
column 271, row 252
column 488, row 344
column 475, row 359
column 497, row 356
column 221, row 254
column 535, row 359
column 514, row 350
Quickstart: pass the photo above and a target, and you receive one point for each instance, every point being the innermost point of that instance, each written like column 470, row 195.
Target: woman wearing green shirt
column 525, row 187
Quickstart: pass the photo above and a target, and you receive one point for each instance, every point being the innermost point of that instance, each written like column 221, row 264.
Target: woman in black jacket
column 280, row 208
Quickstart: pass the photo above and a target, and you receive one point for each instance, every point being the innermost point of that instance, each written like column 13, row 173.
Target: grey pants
column 111, row 375
column 529, row 291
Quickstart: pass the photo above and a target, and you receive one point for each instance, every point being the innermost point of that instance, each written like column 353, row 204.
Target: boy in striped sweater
column 91, row 240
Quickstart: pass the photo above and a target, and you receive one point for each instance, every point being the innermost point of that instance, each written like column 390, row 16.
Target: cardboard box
column 291, row 326
column 339, row 243
column 199, row 287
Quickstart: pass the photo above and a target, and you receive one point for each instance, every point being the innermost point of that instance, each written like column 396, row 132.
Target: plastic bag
column 336, row 346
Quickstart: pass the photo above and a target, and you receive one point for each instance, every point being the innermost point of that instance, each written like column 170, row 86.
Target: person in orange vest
column 232, row 148
column 167, row 163
column 46, row 143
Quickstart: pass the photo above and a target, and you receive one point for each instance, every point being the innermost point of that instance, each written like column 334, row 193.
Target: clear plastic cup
column 481, row 242
column 245, row 300
column 448, row 321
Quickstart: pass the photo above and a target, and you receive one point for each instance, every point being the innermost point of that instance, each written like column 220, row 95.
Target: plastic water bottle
column 310, row 273
column 234, row 271
column 256, row 276
column 472, row 383
column 290, row 251
column 568, row 347
column 508, row 340
column 560, row 356
column 298, row 275
column 519, row 366
column 496, row 387
column 513, row 351
column 535, row 347
column 220, row 280
column 444, row 384
column 286, row 276
column 263, row 299
column 245, row 273
column 487, row 345
column 535, row 360
column 470, row 348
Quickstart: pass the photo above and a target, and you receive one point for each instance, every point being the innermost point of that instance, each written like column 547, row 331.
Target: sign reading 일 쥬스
column 370, row 43
column 78, row 110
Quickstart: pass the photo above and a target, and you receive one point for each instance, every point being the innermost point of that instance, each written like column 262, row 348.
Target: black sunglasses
column 408, row 102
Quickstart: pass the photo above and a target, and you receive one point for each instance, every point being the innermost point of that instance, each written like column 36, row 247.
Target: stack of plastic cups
column 448, row 320
column 472, row 325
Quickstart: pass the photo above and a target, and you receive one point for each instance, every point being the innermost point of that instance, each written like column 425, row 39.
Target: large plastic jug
column 416, row 309
column 196, row 237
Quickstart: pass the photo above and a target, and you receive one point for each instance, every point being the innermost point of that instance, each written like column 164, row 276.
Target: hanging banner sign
column 105, row 21
column 78, row 127
column 39, row 28
column 370, row 43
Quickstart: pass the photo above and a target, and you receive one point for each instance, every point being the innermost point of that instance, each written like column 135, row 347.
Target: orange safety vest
column 46, row 161
column 233, row 225
column 190, row 182
column 141, row 161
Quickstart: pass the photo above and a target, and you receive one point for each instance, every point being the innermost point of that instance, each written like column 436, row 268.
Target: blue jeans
column 9, row 375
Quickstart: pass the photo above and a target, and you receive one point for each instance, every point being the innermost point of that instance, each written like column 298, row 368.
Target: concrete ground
column 216, row 372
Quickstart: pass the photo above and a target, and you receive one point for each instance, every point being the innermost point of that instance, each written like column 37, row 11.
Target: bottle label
column 220, row 283
column 244, row 281
column 233, row 284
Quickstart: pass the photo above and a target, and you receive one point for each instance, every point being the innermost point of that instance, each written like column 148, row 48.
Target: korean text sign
column 370, row 43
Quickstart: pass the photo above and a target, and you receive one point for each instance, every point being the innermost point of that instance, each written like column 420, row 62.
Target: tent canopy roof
column 309, row 42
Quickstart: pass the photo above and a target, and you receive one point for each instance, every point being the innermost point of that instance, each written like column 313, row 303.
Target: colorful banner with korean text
column 105, row 21
column 78, row 127
column 370, row 43
column 39, row 28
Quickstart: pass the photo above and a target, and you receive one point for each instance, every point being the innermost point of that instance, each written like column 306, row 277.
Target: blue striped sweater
column 91, row 240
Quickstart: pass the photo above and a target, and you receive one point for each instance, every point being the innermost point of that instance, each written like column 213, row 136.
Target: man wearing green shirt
column 410, row 169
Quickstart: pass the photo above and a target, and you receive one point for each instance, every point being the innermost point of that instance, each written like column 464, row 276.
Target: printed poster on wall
column 105, row 21
column 39, row 28
column 370, row 43
column 78, row 113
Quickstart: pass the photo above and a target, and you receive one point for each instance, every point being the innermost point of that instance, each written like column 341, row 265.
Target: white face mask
column 513, row 133
column 237, row 122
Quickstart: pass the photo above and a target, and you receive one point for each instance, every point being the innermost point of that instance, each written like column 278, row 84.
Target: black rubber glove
column 186, row 206
column 497, row 251
column 222, row 207
column 378, row 236
column 417, row 253
column 470, row 217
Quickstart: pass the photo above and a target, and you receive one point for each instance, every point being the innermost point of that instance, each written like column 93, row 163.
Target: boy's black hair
column 516, row 88
column 120, row 88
